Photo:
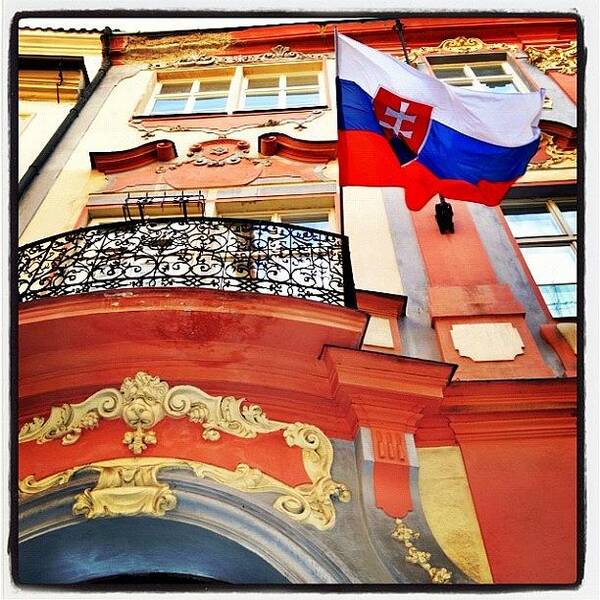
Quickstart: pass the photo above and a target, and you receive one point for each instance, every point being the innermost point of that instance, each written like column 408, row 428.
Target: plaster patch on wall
column 483, row 342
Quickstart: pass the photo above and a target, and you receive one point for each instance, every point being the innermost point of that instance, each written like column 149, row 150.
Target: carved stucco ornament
column 277, row 54
column 130, row 487
column 148, row 129
column 557, row 157
column 554, row 58
column 405, row 535
column 461, row 45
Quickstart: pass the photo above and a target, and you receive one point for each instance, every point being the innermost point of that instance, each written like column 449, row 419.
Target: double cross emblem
column 399, row 117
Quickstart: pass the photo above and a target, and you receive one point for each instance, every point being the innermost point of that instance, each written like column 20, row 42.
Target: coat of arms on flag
column 400, row 127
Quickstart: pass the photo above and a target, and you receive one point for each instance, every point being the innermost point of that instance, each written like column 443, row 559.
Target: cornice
column 510, row 396
column 472, row 428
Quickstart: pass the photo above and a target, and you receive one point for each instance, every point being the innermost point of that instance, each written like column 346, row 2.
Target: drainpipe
column 47, row 150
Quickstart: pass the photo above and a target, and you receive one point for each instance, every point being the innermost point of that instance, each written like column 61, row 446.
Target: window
column 289, row 90
column 206, row 95
column 244, row 88
column 480, row 73
column 547, row 234
column 321, row 219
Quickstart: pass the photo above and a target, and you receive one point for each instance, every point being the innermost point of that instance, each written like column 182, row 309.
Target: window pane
column 321, row 223
column 257, row 83
column 180, row 87
column 446, row 73
column 533, row 224
column 487, row 70
column 162, row 105
column 297, row 80
column 302, row 99
column 266, row 100
column 561, row 299
column 214, row 85
column 551, row 264
column 210, row 104
column 570, row 217
column 501, row 87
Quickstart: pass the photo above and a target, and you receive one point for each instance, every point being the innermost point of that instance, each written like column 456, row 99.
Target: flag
column 400, row 127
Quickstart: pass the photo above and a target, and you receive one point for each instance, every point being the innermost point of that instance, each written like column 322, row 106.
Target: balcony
column 214, row 253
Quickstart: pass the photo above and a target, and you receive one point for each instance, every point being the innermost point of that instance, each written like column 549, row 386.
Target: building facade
column 230, row 371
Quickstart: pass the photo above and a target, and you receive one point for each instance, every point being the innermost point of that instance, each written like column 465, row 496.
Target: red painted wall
column 525, row 495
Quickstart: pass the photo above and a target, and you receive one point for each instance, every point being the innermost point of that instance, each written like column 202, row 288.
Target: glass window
column 546, row 232
column 288, row 90
column 533, row 222
column 171, row 105
column 320, row 222
column 551, row 264
column 193, row 96
column 495, row 75
column 259, row 90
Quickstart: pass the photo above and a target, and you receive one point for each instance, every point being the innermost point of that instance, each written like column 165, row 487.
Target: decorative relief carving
column 142, row 402
column 130, row 486
column 554, row 58
column 461, row 45
column 484, row 342
column 557, row 157
column 405, row 535
column 148, row 129
column 188, row 57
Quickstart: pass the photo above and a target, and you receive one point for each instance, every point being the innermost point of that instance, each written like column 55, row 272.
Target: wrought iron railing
column 215, row 253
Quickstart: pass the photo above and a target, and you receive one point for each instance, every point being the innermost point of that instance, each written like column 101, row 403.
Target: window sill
column 266, row 111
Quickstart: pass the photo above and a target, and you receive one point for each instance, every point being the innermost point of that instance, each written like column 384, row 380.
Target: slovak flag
column 400, row 127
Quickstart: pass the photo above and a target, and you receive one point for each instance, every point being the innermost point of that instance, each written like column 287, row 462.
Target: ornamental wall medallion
column 128, row 486
column 554, row 58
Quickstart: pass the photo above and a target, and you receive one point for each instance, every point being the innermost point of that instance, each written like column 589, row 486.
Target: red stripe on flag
column 367, row 159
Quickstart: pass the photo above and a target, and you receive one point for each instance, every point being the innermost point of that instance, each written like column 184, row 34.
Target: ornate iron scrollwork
column 215, row 253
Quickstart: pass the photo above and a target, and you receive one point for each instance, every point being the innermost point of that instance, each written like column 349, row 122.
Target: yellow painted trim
column 58, row 43
column 450, row 512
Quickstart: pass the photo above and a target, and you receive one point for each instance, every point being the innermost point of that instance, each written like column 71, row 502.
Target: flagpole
column 399, row 27
column 337, row 70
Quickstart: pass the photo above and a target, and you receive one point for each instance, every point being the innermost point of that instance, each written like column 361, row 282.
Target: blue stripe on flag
column 355, row 108
column 450, row 154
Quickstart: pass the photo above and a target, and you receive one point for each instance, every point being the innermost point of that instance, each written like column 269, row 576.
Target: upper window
column 239, row 88
column 481, row 73
column 286, row 90
column 196, row 96
column 546, row 231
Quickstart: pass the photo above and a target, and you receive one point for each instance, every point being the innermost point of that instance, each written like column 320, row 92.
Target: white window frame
column 189, row 96
column 567, row 237
column 282, row 89
column 279, row 216
column 238, row 87
column 477, row 81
